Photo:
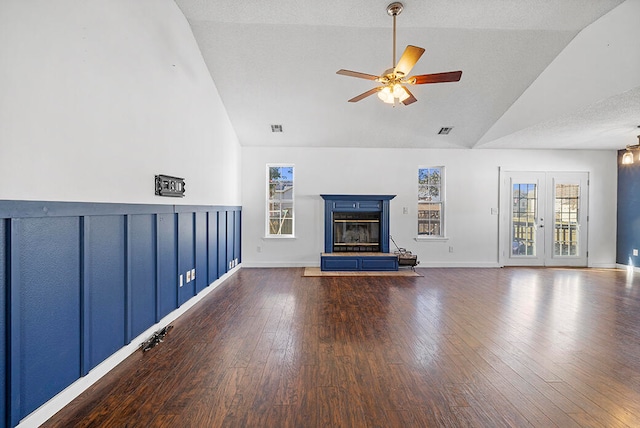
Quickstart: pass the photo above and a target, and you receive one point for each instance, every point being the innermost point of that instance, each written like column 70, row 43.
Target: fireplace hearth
column 356, row 231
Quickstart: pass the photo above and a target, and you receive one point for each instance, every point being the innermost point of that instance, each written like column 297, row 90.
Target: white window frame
column 267, row 230
column 443, row 205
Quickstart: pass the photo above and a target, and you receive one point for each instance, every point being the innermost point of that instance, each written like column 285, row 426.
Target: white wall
column 472, row 190
column 98, row 97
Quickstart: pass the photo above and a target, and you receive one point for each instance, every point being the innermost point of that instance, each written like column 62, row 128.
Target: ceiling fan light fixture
column 398, row 91
column 386, row 95
column 392, row 92
column 403, row 94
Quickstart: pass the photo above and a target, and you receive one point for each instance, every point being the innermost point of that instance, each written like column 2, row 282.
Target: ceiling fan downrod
column 394, row 10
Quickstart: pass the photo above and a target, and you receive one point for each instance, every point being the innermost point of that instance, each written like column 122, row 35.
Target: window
column 280, row 200
column 431, row 201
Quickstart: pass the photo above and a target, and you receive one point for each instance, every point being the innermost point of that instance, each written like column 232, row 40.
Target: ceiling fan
column 395, row 79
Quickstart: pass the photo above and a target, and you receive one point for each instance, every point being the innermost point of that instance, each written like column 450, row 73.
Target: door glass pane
column 523, row 226
column 565, row 232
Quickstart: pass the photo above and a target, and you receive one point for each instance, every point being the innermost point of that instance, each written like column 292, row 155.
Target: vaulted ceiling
column 536, row 74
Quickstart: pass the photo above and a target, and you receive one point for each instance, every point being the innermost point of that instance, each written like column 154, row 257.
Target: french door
column 543, row 220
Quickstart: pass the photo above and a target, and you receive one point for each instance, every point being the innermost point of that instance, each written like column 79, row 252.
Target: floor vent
column 445, row 130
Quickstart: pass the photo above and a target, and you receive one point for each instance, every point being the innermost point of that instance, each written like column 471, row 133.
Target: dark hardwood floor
column 457, row 347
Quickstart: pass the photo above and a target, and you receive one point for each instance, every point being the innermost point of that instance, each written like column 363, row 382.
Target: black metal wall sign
column 169, row 186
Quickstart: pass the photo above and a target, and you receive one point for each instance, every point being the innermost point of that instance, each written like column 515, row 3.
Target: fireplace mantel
column 363, row 259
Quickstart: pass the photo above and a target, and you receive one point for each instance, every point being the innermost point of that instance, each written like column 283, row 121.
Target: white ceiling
column 276, row 63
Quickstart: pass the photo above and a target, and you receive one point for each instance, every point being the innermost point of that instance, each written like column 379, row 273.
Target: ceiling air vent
column 276, row 128
column 445, row 130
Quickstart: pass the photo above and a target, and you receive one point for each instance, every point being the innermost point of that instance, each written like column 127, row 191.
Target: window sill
column 279, row 237
column 431, row 238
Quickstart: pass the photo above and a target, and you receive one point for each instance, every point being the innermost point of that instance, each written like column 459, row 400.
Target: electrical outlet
column 405, row 210
column 451, row 249
column 188, row 276
column 259, row 249
column 193, row 274
column 180, row 281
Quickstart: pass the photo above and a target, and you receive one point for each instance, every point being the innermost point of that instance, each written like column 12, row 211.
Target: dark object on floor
column 405, row 258
column 155, row 338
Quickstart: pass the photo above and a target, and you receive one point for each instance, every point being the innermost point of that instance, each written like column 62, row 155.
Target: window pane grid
column 430, row 201
column 429, row 218
column 280, row 206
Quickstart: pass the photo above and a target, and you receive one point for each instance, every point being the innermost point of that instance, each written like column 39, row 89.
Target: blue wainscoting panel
column 104, row 275
column 142, row 273
column 78, row 281
column 3, row 323
column 167, row 264
column 212, row 245
column 186, row 262
column 200, row 231
column 223, row 267
column 47, row 279
column 237, row 236
column 230, row 233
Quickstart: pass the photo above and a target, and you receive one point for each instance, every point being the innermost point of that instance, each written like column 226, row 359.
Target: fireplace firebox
column 357, row 233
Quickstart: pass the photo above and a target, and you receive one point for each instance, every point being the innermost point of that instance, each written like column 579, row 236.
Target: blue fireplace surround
column 353, row 261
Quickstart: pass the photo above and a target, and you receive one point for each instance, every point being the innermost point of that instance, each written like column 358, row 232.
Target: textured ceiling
column 276, row 63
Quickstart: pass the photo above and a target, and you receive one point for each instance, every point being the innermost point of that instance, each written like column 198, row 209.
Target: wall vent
column 276, row 128
column 445, row 130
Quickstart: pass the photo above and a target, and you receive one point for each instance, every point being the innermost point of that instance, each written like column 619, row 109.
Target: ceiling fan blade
column 365, row 94
column 357, row 74
column 411, row 98
column 450, row 76
column 409, row 57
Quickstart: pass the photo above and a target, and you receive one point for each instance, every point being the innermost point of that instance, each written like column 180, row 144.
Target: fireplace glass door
column 356, row 232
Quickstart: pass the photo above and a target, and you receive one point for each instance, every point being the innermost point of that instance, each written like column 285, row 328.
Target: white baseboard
column 287, row 264
column 64, row 397
column 627, row 267
column 458, row 265
column 606, row 266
